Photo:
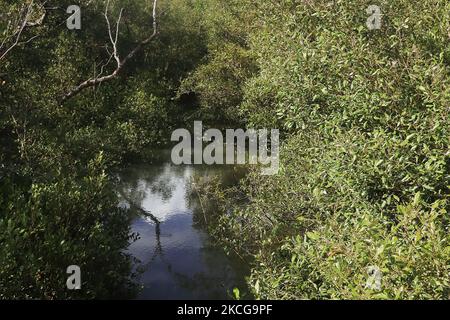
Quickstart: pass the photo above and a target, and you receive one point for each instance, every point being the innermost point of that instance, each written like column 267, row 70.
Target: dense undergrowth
column 365, row 160
column 364, row 179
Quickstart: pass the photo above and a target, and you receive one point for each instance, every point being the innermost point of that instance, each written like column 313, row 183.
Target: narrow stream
column 176, row 257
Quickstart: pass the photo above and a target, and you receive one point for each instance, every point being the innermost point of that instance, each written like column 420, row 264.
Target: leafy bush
column 71, row 221
column 365, row 116
column 333, row 261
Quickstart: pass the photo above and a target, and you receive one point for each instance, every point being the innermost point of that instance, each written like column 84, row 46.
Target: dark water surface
column 178, row 259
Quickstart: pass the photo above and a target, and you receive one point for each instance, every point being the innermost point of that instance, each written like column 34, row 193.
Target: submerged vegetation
column 364, row 116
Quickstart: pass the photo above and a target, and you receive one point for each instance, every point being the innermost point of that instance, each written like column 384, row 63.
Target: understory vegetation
column 364, row 119
column 364, row 178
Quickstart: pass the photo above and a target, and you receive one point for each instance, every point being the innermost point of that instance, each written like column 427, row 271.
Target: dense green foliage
column 57, row 204
column 364, row 179
column 365, row 159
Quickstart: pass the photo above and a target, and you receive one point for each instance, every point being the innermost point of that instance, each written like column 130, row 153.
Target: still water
column 175, row 257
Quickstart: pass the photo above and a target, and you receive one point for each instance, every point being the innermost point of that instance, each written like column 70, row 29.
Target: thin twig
column 23, row 25
column 120, row 63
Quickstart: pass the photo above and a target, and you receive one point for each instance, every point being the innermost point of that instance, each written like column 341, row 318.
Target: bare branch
column 120, row 62
column 115, row 39
column 18, row 32
column 24, row 23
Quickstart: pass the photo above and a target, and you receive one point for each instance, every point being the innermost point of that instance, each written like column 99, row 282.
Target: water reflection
column 177, row 258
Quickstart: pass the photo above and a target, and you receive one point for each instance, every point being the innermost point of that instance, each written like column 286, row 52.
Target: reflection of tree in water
column 142, row 212
column 139, row 183
column 136, row 183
